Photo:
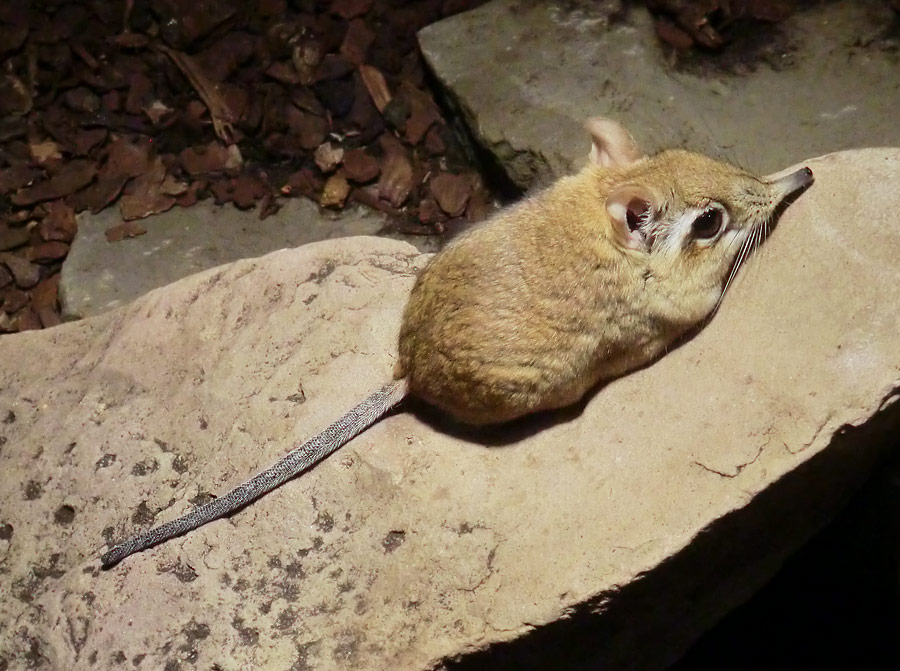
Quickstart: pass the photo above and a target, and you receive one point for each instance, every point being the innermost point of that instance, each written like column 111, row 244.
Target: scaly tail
column 294, row 462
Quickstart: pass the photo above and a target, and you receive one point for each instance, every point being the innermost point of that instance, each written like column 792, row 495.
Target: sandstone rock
column 525, row 77
column 642, row 515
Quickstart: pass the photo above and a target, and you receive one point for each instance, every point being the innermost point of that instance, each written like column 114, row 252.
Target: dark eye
column 707, row 224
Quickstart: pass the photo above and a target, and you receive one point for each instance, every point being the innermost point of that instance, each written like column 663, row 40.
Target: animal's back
column 504, row 322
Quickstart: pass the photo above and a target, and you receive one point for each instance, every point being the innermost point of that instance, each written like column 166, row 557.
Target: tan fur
column 533, row 308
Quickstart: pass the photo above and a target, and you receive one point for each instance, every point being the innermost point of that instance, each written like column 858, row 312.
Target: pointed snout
column 784, row 185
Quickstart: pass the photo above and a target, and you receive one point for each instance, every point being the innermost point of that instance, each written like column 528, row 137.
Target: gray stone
column 100, row 275
column 526, row 75
column 642, row 516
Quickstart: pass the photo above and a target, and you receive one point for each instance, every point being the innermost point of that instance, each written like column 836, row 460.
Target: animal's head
column 697, row 216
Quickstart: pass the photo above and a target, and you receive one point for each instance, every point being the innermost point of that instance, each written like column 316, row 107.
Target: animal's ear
column 613, row 146
column 631, row 208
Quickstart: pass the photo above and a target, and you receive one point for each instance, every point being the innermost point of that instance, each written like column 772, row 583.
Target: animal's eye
column 707, row 224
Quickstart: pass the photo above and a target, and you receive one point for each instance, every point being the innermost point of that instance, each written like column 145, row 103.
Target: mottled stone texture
column 611, row 535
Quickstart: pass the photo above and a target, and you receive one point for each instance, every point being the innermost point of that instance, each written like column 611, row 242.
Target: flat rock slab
column 525, row 76
column 666, row 499
column 99, row 275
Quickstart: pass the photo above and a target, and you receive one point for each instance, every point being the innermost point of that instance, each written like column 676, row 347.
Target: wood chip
column 25, row 274
column 46, row 252
column 396, row 180
column 348, row 9
column 205, row 159
column 127, row 229
column 376, row 86
column 360, row 166
column 144, row 196
column 303, row 182
column 12, row 300
column 328, row 156
column 451, row 192
column 423, row 113
column 59, row 224
column 73, row 176
column 27, row 320
column 16, row 177
column 309, row 129
column 357, row 41
column 45, row 294
column 247, row 190
column 669, row 33
column 335, row 191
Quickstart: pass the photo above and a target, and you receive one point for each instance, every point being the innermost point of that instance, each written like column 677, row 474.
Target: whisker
column 741, row 255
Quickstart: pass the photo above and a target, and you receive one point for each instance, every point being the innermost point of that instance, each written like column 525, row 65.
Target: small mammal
column 589, row 279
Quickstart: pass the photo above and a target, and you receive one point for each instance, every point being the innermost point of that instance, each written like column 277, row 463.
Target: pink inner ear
column 636, row 213
column 627, row 212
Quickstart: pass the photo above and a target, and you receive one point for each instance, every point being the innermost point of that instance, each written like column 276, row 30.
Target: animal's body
column 591, row 278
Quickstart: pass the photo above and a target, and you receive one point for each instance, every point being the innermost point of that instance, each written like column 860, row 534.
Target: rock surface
column 671, row 495
column 526, row 76
column 99, row 275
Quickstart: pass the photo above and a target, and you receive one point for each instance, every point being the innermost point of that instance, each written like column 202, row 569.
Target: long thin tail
column 294, row 462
